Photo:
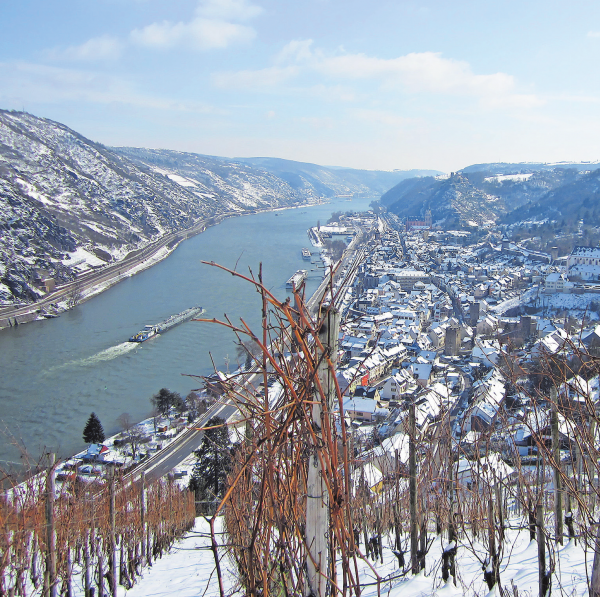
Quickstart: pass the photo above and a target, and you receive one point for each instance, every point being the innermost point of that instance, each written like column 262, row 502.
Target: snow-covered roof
column 586, row 252
column 365, row 405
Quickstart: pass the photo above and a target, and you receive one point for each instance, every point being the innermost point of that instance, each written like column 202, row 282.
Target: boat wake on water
column 104, row 355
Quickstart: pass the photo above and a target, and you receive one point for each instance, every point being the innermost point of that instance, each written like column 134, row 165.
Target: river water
column 53, row 373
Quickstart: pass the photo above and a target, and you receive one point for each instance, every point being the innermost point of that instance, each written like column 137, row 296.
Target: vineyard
column 303, row 512
column 95, row 535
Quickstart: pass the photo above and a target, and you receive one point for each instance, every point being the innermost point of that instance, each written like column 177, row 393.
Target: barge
column 158, row 328
column 306, row 254
column 297, row 279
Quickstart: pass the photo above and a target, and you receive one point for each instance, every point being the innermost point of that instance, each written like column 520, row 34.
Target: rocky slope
column 67, row 203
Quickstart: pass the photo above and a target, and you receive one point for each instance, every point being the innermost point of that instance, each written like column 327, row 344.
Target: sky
column 377, row 85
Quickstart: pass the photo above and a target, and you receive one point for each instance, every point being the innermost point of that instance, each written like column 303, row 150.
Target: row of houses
column 426, row 329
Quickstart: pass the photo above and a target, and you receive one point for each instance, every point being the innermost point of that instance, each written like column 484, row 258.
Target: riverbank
column 56, row 372
column 67, row 296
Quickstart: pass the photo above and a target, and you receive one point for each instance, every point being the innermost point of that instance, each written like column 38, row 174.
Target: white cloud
column 583, row 99
column 593, row 34
column 296, row 51
column 104, row 47
column 422, row 72
column 333, row 93
column 198, row 34
column 214, row 26
column 255, row 79
column 30, row 82
column 418, row 72
column 513, row 100
column 381, row 117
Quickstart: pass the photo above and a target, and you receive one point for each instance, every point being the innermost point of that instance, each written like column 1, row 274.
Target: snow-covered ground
column 515, row 301
column 188, row 570
column 576, row 304
column 512, row 177
column 80, row 256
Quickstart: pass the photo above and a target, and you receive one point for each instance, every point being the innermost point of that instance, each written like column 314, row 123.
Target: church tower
column 428, row 218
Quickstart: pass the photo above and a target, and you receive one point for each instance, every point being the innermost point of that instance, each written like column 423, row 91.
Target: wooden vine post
column 543, row 576
column 558, row 507
column 143, row 515
column 113, row 541
column 412, row 472
column 317, row 503
column 50, row 578
column 595, row 580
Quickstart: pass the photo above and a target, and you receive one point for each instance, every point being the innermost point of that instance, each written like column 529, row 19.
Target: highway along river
column 53, row 373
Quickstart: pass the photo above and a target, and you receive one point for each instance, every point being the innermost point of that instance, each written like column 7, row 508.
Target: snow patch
column 514, row 177
column 180, row 180
column 31, row 191
column 81, row 256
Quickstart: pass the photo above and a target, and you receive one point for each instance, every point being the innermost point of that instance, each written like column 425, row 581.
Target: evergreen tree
column 165, row 400
column 93, row 433
column 213, row 462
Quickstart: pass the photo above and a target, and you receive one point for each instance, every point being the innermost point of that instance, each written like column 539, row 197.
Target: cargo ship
column 158, row 328
column 306, row 254
column 297, row 279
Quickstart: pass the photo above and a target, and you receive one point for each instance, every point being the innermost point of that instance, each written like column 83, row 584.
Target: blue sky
column 377, row 85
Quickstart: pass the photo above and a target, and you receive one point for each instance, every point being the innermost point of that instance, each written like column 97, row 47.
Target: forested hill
column 500, row 193
column 578, row 198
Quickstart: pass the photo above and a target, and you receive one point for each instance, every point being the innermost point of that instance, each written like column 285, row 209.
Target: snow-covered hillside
column 63, row 196
column 60, row 192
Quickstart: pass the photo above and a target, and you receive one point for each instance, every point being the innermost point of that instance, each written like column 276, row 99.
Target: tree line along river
column 53, row 373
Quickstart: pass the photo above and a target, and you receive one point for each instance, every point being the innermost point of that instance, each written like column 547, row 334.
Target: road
column 164, row 461
column 108, row 273
column 350, row 261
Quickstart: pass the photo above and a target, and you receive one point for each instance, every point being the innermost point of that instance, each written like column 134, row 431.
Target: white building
column 554, row 283
column 584, row 263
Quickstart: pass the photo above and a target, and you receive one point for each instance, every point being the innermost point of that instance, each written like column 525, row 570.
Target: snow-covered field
column 81, row 256
column 576, row 304
column 188, row 570
column 512, row 302
column 511, row 177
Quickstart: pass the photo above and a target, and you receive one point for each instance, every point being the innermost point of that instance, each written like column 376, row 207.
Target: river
column 55, row 372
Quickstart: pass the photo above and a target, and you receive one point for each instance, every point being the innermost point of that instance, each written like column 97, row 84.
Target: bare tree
column 133, row 434
column 74, row 295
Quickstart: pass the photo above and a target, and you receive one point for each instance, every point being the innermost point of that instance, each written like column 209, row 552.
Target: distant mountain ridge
column 65, row 198
column 374, row 181
column 526, row 167
column 484, row 194
column 302, row 180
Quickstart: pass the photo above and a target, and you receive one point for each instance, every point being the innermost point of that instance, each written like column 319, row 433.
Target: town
column 460, row 326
